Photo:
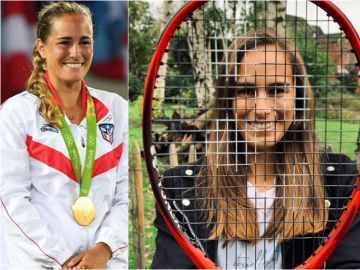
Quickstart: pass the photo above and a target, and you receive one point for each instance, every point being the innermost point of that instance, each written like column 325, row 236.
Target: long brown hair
column 299, row 203
column 36, row 83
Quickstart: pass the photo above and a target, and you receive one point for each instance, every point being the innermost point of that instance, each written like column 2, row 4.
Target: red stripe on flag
column 112, row 68
column 16, row 64
column 16, row 69
column 27, row 9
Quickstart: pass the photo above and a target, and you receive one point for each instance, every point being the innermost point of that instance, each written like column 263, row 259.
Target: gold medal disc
column 83, row 211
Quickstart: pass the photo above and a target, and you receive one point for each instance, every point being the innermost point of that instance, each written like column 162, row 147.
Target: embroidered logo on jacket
column 48, row 127
column 108, row 119
column 107, row 131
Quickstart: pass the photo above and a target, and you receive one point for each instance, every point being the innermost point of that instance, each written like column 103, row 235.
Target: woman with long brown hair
column 64, row 156
column 260, row 196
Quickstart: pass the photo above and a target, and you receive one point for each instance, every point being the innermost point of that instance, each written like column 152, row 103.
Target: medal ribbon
column 71, row 145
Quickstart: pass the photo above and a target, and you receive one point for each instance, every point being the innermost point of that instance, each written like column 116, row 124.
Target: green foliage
column 135, row 86
column 135, row 112
column 319, row 66
column 179, row 76
column 348, row 82
column 254, row 14
column 158, row 110
column 180, row 85
column 339, row 106
column 142, row 32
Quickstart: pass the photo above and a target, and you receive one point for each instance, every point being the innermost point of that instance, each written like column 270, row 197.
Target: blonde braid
column 37, row 86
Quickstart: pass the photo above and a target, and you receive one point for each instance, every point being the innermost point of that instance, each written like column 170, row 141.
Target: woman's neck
column 70, row 97
column 69, row 94
column 261, row 170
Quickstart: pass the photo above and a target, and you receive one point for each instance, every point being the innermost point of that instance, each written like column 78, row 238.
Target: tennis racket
column 224, row 94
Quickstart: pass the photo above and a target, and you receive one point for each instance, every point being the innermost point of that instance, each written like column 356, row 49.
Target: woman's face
column 68, row 50
column 265, row 98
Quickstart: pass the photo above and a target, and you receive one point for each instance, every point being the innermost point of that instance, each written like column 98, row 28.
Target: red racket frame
column 322, row 253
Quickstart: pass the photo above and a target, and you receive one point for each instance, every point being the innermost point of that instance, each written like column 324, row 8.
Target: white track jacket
column 38, row 186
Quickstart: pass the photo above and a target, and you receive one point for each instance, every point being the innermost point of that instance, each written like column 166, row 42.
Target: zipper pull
column 82, row 141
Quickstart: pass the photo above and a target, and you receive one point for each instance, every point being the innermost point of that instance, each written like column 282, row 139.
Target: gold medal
column 84, row 211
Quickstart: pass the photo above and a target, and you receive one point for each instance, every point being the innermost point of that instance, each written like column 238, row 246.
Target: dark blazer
column 178, row 181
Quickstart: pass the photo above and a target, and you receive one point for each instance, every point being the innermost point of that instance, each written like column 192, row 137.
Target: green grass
column 340, row 135
column 135, row 122
column 149, row 202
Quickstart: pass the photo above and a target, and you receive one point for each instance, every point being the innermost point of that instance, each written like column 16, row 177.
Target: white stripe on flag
column 19, row 35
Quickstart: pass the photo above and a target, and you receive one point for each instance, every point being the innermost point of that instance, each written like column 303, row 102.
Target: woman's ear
column 40, row 45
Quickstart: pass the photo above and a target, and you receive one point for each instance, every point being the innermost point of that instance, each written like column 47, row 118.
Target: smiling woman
column 68, row 50
column 265, row 97
column 268, row 120
column 64, row 204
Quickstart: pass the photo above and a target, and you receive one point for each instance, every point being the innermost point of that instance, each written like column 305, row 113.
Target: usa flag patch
column 107, row 131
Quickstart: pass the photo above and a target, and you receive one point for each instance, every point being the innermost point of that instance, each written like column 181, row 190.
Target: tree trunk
column 233, row 7
column 161, row 81
column 274, row 14
column 201, row 61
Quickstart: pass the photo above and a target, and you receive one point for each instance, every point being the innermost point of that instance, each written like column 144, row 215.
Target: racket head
column 155, row 171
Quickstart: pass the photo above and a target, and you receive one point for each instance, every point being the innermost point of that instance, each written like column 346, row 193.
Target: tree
column 201, row 60
column 142, row 34
column 161, row 81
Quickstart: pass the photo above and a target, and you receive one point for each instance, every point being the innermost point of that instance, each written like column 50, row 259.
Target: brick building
column 340, row 54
